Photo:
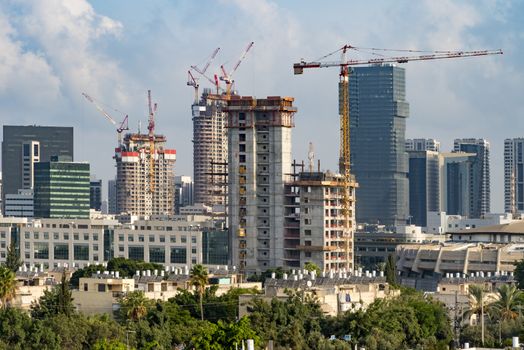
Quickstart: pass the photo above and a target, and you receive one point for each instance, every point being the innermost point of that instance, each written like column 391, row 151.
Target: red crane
column 123, row 126
column 193, row 81
column 151, row 133
column 228, row 77
column 344, row 64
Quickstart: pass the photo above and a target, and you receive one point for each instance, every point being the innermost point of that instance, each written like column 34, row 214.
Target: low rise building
column 20, row 205
column 441, row 223
column 512, row 232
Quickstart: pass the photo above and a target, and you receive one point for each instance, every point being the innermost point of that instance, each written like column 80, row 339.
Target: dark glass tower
column 378, row 112
column 424, row 180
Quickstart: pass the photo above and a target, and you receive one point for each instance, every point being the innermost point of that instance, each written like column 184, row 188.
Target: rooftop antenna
column 311, row 157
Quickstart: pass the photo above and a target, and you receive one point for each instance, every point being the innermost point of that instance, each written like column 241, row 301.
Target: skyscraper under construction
column 145, row 174
column 209, row 148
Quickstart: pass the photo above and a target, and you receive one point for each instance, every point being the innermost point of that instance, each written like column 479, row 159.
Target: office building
column 20, row 205
column 424, row 185
column 479, row 183
column 422, row 145
column 514, row 175
column 95, row 195
column 61, row 189
column 259, row 164
column 210, row 149
column 111, row 197
column 455, row 178
column 183, row 192
column 378, row 112
column 325, row 238
column 23, row 146
column 215, row 247
column 145, row 183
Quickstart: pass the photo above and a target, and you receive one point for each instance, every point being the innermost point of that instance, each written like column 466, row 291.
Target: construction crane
column 228, row 77
column 192, row 81
column 123, row 126
column 151, row 133
column 344, row 64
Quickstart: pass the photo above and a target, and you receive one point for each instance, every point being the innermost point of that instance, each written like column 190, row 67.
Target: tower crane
column 192, row 81
column 151, row 134
column 228, row 77
column 123, row 126
column 344, row 65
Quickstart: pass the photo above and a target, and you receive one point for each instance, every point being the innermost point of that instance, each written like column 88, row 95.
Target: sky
column 51, row 51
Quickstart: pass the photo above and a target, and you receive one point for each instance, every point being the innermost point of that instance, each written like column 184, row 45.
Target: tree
column 310, row 266
column 134, row 306
column 199, row 279
column 478, row 300
column 390, row 271
column 128, row 267
column 56, row 301
column 7, row 285
column 509, row 302
column 519, row 274
column 87, row 271
column 12, row 259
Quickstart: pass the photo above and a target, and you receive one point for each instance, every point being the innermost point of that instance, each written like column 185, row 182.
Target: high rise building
column 111, row 197
column 455, row 176
column 422, row 145
column 209, row 148
column 145, row 186
column 23, row 146
column 183, row 192
column 61, row 189
column 514, row 175
column 95, row 195
column 378, row 112
column 479, row 182
column 259, row 163
column 323, row 240
column 424, row 185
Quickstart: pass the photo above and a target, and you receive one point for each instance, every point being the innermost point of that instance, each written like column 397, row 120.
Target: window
column 193, row 250
column 120, row 248
column 241, row 116
column 2, row 235
column 307, row 221
column 76, row 236
column 130, row 238
column 242, row 147
column 81, row 251
column 306, row 210
column 66, row 236
column 157, row 255
column 95, row 236
column 242, row 137
column 178, row 255
column 183, row 239
column 141, row 238
column 56, row 235
column 61, row 251
column 86, row 287
column 46, row 235
column 162, row 239
column 27, row 245
column 151, row 238
column 242, row 158
column 193, row 239
column 120, row 238
column 95, row 247
column 135, row 253
column 101, row 287
column 307, row 243
column 86, row 236
column 172, row 239
column 41, row 250
column 307, row 254
column 307, row 232
column 26, row 235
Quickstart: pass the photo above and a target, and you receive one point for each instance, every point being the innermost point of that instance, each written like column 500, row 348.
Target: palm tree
column 134, row 305
column 199, row 279
column 478, row 301
column 7, row 285
column 509, row 302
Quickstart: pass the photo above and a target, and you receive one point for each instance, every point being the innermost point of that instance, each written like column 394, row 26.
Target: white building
column 183, row 192
column 422, row 145
column 440, row 223
column 20, row 205
column 259, row 136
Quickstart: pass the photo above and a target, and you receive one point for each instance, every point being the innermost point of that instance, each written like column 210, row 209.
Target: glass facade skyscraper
column 378, row 112
column 424, row 181
column 61, row 189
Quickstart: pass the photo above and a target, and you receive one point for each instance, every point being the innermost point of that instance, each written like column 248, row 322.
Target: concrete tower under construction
column 145, row 176
column 209, row 148
column 259, row 165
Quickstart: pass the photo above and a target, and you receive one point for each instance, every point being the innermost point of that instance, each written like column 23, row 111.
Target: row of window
column 152, row 238
column 56, row 236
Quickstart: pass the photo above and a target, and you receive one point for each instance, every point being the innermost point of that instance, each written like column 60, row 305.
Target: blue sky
column 51, row 51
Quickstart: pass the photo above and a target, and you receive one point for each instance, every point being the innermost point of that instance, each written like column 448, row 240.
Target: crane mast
column 151, row 133
column 345, row 151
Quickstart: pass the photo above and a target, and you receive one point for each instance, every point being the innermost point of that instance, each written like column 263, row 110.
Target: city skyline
column 116, row 52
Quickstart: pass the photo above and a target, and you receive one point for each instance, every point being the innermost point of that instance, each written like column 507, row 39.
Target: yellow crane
column 344, row 65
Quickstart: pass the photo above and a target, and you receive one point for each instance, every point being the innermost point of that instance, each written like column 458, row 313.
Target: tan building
column 144, row 181
column 325, row 237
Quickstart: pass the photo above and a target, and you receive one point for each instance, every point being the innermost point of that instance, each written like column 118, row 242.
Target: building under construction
column 209, row 149
column 145, row 186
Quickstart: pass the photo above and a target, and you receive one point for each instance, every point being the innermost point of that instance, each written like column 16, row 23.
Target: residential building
column 183, row 192
column 441, row 223
column 326, row 239
column 378, row 112
column 456, row 170
column 259, row 164
column 514, row 175
column 95, row 195
column 145, row 181
column 422, row 145
column 111, row 197
column 210, row 149
column 424, row 185
column 23, row 146
column 512, row 232
column 61, row 189
column 479, row 182
column 20, row 205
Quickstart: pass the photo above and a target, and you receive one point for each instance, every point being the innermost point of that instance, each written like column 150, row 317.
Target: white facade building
column 422, row 145
column 20, row 205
